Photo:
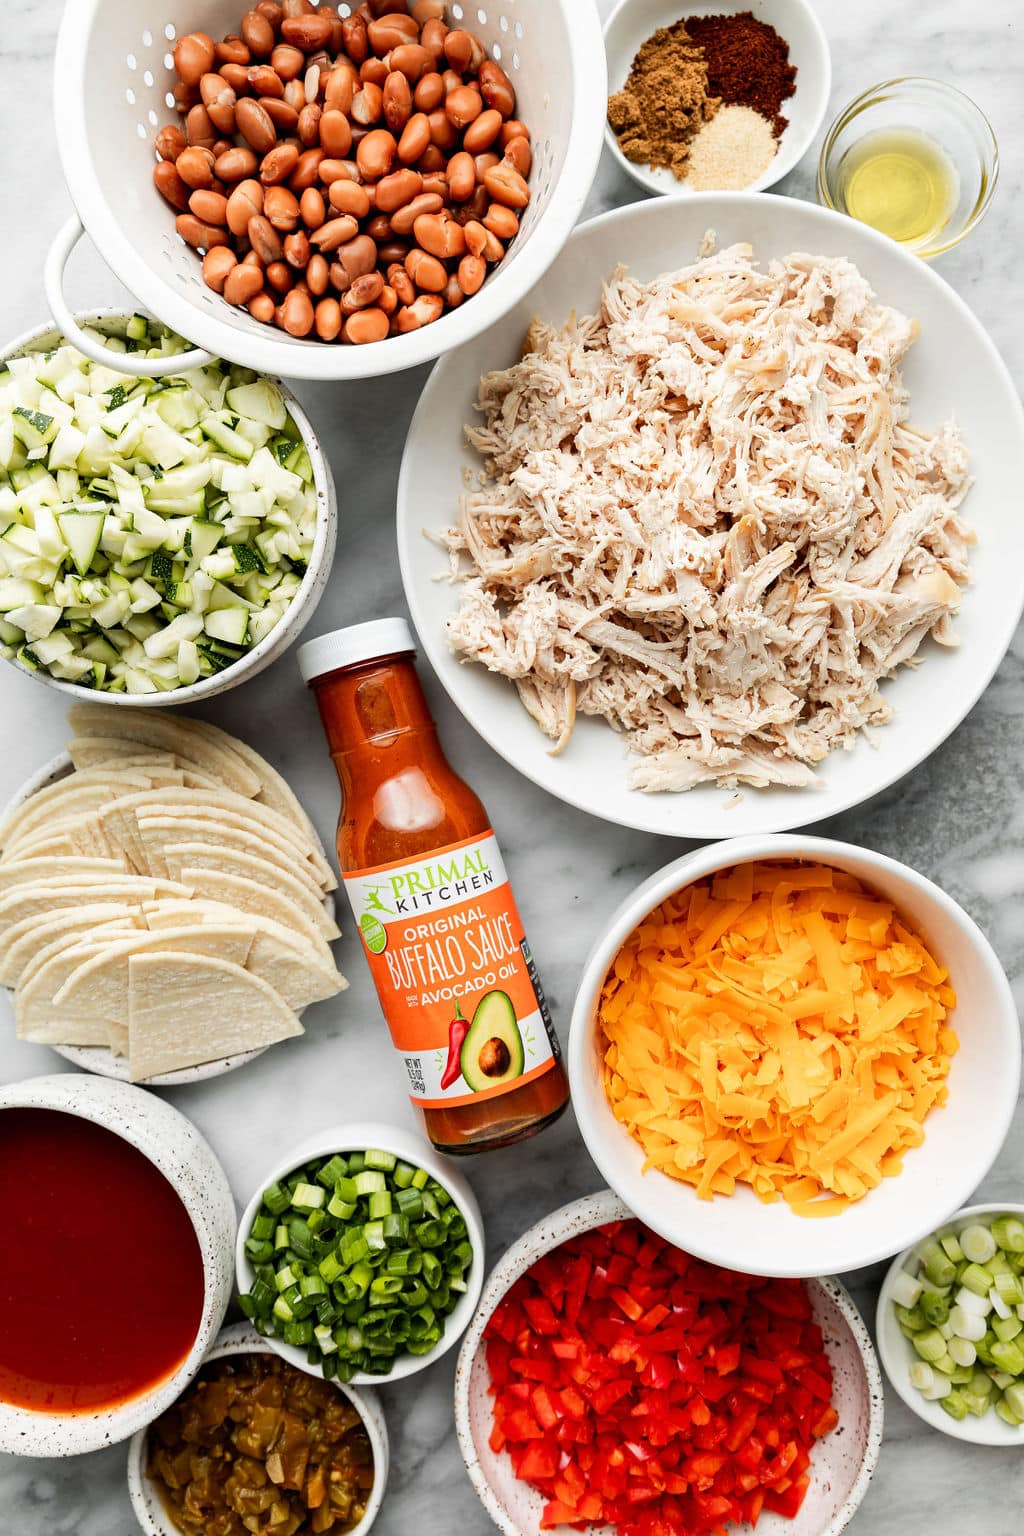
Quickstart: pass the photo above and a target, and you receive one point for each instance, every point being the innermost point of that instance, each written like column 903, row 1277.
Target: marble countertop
column 959, row 818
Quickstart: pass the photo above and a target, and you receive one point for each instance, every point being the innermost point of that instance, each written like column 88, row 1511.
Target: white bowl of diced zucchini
column 950, row 1326
column 161, row 540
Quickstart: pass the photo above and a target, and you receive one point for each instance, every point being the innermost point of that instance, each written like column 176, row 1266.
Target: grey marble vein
column 959, row 818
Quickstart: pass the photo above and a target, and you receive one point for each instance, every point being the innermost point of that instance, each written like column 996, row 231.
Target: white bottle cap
column 359, row 642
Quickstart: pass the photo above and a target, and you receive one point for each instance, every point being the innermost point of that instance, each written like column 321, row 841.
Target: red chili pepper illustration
column 457, row 1030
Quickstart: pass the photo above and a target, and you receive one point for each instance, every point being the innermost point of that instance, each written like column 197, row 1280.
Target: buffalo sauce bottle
column 438, row 921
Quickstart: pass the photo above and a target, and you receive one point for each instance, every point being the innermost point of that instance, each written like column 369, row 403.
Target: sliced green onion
column 361, row 1257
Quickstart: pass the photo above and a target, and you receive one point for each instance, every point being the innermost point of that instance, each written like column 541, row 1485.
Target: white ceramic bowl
column 303, row 605
column 952, row 370
column 358, row 1137
column 97, row 1058
column 174, row 1146
column 842, row 1463
column 240, row 1339
column 961, row 1140
column 897, row 1354
column 631, row 24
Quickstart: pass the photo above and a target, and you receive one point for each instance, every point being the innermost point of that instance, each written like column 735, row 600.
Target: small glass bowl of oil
column 914, row 158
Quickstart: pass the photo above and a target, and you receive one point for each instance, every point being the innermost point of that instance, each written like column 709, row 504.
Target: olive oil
column 900, row 182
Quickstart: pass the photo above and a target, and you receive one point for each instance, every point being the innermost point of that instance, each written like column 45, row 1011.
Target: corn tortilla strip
column 112, row 751
column 36, row 1015
column 167, row 734
column 256, row 819
column 162, row 836
column 202, row 856
column 48, row 896
column 222, row 804
column 98, row 986
column 25, row 871
column 252, row 896
column 68, row 838
column 185, row 1009
column 170, row 913
column 292, row 967
column 22, row 942
column 275, row 791
column 76, row 793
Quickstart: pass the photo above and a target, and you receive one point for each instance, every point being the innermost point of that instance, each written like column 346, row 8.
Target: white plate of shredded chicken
column 717, row 532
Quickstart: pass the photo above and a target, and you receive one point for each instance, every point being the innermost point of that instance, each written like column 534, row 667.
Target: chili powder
column 747, row 63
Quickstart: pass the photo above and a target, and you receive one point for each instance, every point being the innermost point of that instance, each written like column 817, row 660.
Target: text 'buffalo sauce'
column 436, row 915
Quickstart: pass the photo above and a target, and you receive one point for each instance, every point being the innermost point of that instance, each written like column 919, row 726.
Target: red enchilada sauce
column 101, row 1282
column 438, row 921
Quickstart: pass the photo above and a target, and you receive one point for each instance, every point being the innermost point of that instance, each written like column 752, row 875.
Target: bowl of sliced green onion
column 161, row 539
column 950, row 1326
column 361, row 1254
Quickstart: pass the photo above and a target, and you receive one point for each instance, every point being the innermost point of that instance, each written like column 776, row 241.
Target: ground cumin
column 664, row 102
column 747, row 63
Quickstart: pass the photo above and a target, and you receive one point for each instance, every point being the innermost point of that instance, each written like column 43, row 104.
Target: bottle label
column 454, row 973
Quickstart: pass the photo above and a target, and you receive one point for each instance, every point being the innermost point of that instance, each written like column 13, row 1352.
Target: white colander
column 112, row 84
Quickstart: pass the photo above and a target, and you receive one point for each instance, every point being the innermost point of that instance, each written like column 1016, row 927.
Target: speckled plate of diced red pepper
column 614, row 1382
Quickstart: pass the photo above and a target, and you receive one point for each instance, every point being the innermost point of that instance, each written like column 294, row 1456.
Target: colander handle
column 53, row 282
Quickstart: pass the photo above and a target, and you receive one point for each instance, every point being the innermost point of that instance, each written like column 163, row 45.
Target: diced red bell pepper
column 789, row 1502
column 541, row 1314
column 521, row 1425
column 638, row 1387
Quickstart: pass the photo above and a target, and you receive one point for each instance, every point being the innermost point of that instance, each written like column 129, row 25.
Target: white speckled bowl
column 358, row 1137
column 841, row 1464
column 962, row 1139
column 112, row 323
column 98, row 1058
column 796, row 21
column 240, row 1339
column 897, row 1354
column 175, row 1147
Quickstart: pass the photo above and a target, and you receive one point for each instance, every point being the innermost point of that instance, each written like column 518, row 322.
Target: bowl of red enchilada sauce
column 118, row 1225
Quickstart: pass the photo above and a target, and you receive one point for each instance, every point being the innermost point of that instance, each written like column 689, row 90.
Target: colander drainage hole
column 132, row 61
column 169, row 32
column 147, row 39
column 148, row 78
column 129, row 96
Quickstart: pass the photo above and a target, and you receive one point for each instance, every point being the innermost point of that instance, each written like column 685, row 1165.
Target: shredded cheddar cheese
column 778, row 1025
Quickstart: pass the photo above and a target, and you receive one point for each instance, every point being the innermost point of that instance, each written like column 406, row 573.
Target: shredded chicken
column 706, row 517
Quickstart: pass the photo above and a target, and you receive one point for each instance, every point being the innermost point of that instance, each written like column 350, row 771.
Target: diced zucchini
column 82, row 532
column 228, row 624
column 150, row 531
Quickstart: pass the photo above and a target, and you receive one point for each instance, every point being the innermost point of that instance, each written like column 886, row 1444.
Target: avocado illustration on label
column 492, row 1051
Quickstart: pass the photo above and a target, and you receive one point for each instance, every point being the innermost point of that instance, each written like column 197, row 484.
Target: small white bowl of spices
column 707, row 97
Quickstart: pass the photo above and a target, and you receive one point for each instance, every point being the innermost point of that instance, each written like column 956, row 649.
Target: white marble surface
column 959, row 818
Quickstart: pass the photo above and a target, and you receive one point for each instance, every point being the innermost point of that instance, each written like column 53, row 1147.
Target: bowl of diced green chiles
column 950, row 1326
